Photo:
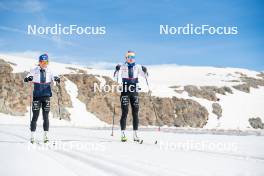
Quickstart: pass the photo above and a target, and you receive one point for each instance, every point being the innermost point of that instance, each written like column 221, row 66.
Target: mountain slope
column 231, row 96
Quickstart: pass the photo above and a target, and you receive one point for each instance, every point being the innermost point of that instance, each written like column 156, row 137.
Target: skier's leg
column 45, row 112
column 124, row 107
column 134, row 100
column 35, row 109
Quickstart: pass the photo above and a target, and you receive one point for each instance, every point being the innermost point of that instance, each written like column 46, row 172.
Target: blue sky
column 134, row 25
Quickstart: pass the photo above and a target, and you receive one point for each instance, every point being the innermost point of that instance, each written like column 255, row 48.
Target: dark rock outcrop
column 189, row 113
column 256, row 123
column 242, row 87
column 217, row 110
column 249, row 82
column 14, row 94
column 207, row 92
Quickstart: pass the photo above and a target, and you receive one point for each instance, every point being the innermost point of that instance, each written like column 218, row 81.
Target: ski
column 48, row 143
column 34, row 142
column 139, row 141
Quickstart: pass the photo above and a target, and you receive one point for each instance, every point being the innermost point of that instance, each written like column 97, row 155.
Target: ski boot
column 46, row 139
column 136, row 138
column 32, row 138
column 123, row 136
column 123, row 139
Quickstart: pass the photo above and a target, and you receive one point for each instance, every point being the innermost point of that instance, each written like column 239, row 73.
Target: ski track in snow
column 127, row 158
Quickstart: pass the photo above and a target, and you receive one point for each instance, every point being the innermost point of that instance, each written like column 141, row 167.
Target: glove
column 57, row 79
column 27, row 79
column 144, row 69
column 118, row 67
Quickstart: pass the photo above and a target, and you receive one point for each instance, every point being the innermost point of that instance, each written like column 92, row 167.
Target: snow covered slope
column 237, row 107
column 80, row 116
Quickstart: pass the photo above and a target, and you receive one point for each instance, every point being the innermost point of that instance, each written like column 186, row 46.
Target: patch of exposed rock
column 249, row 82
column 176, row 89
column 13, row 93
column 256, row 123
column 242, row 87
column 5, row 68
column 261, row 74
column 217, row 110
column 207, row 92
column 189, row 113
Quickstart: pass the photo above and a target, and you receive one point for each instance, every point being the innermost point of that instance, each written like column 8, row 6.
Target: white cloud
column 101, row 65
column 56, row 39
column 11, row 29
column 33, row 5
column 27, row 54
column 26, row 6
column 59, row 41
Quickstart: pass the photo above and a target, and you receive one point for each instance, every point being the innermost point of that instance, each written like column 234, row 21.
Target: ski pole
column 116, row 73
column 113, row 122
column 113, row 117
column 30, row 105
column 59, row 92
column 154, row 108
